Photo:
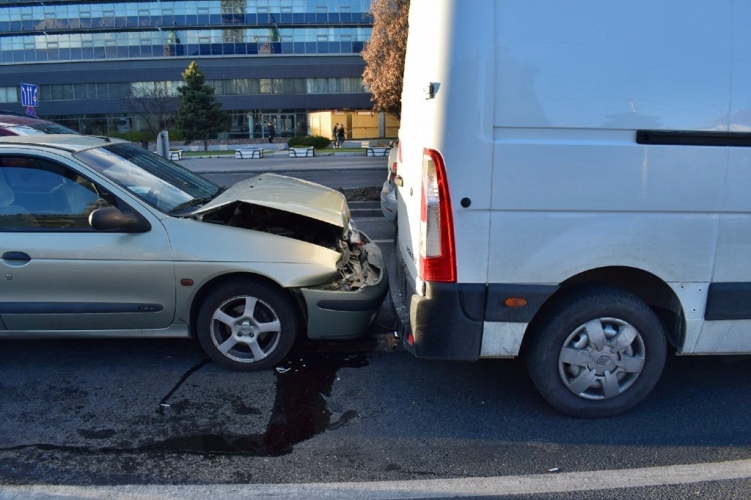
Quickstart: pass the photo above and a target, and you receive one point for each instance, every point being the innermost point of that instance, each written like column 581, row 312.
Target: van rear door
column 447, row 111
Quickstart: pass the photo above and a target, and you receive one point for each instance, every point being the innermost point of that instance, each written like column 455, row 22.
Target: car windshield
column 160, row 183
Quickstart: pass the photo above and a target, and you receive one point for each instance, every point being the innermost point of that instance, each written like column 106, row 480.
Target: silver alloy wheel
column 601, row 359
column 245, row 329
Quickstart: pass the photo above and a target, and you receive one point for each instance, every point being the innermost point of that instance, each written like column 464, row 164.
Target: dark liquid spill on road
column 300, row 411
column 180, row 382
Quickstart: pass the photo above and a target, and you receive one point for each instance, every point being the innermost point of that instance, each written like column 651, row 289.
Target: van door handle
column 398, row 180
column 16, row 256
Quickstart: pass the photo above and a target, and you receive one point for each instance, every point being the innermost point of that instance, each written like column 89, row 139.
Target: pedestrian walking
column 340, row 134
column 272, row 132
column 333, row 134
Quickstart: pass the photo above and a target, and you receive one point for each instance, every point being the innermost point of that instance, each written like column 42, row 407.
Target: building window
column 8, row 94
column 236, row 86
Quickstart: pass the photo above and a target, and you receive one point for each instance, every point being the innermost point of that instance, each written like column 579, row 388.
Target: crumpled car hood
column 288, row 194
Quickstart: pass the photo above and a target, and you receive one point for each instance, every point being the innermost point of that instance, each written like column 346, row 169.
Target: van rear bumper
column 442, row 327
column 446, row 322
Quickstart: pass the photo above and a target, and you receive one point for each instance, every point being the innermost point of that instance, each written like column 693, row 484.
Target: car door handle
column 16, row 256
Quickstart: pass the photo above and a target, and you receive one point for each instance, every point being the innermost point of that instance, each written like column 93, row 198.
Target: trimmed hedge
column 133, row 136
column 145, row 136
column 316, row 141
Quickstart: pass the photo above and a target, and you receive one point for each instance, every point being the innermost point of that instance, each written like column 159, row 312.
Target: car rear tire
column 598, row 353
column 247, row 324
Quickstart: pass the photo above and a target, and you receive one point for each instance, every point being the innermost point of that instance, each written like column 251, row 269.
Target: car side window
column 39, row 194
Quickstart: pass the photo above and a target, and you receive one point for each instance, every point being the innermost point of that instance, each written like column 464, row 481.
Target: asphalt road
column 371, row 177
column 156, row 414
column 337, row 171
column 347, row 162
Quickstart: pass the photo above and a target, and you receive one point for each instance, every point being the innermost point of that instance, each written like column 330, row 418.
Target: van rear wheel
column 598, row 353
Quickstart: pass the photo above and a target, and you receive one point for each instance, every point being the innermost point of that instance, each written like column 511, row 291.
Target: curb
column 261, row 170
column 231, row 157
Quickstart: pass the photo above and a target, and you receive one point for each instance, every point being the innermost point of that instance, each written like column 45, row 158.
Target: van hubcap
column 601, row 359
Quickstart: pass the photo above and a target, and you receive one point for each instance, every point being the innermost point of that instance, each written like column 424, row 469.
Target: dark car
column 18, row 124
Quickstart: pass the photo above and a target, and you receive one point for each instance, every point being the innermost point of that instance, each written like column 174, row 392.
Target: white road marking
column 432, row 488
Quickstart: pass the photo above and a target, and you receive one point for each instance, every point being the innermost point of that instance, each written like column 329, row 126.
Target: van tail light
column 394, row 165
column 437, row 248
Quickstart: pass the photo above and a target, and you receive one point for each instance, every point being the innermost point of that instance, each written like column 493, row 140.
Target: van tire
column 597, row 353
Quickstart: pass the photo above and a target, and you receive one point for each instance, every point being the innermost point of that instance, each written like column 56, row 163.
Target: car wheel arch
column 217, row 281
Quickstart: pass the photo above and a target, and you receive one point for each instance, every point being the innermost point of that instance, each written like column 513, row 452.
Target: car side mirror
column 110, row 218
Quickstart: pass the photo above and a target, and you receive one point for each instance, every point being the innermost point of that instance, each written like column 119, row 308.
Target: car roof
column 68, row 142
column 9, row 120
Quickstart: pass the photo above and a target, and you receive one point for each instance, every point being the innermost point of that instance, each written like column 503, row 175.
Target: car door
column 57, row 274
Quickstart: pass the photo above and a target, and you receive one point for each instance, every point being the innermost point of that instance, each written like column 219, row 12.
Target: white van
column 576, row 188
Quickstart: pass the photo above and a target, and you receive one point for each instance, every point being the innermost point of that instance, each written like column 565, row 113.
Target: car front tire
column 247, row 324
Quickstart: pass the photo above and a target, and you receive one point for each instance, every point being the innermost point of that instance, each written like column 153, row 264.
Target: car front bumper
column 346, row 314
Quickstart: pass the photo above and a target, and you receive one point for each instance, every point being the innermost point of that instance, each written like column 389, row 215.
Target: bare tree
column 384, row 54
column 154, row 102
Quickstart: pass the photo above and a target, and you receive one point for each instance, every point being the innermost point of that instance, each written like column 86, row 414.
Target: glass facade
column 66, row 31
column 272, row 61
column 9, row 94
column 236, row 86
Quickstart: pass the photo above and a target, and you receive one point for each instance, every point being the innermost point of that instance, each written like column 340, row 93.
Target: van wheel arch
column 649, row 288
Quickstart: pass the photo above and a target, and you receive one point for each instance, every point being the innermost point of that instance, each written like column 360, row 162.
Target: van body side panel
column 572, row 190
column 563, row 245
column 450, row 45
column 733, row 260
column 740, row 115
column 581, row 200
column 613, row 65
column 722, row 337
column 732, row 263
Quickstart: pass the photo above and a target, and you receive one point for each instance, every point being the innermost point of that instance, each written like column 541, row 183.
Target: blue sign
column 30, row 111
column 29, row 95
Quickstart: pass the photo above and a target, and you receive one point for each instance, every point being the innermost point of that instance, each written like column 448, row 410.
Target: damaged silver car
column 104, row 239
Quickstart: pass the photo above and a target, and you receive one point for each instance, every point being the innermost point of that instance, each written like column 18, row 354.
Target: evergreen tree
column 199, row 115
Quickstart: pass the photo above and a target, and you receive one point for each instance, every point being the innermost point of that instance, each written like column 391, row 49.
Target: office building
column 270, row 61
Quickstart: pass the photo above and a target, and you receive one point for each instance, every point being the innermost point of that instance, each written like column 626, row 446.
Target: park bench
column 249, row 153
column 377, row 151
column 301, row 152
